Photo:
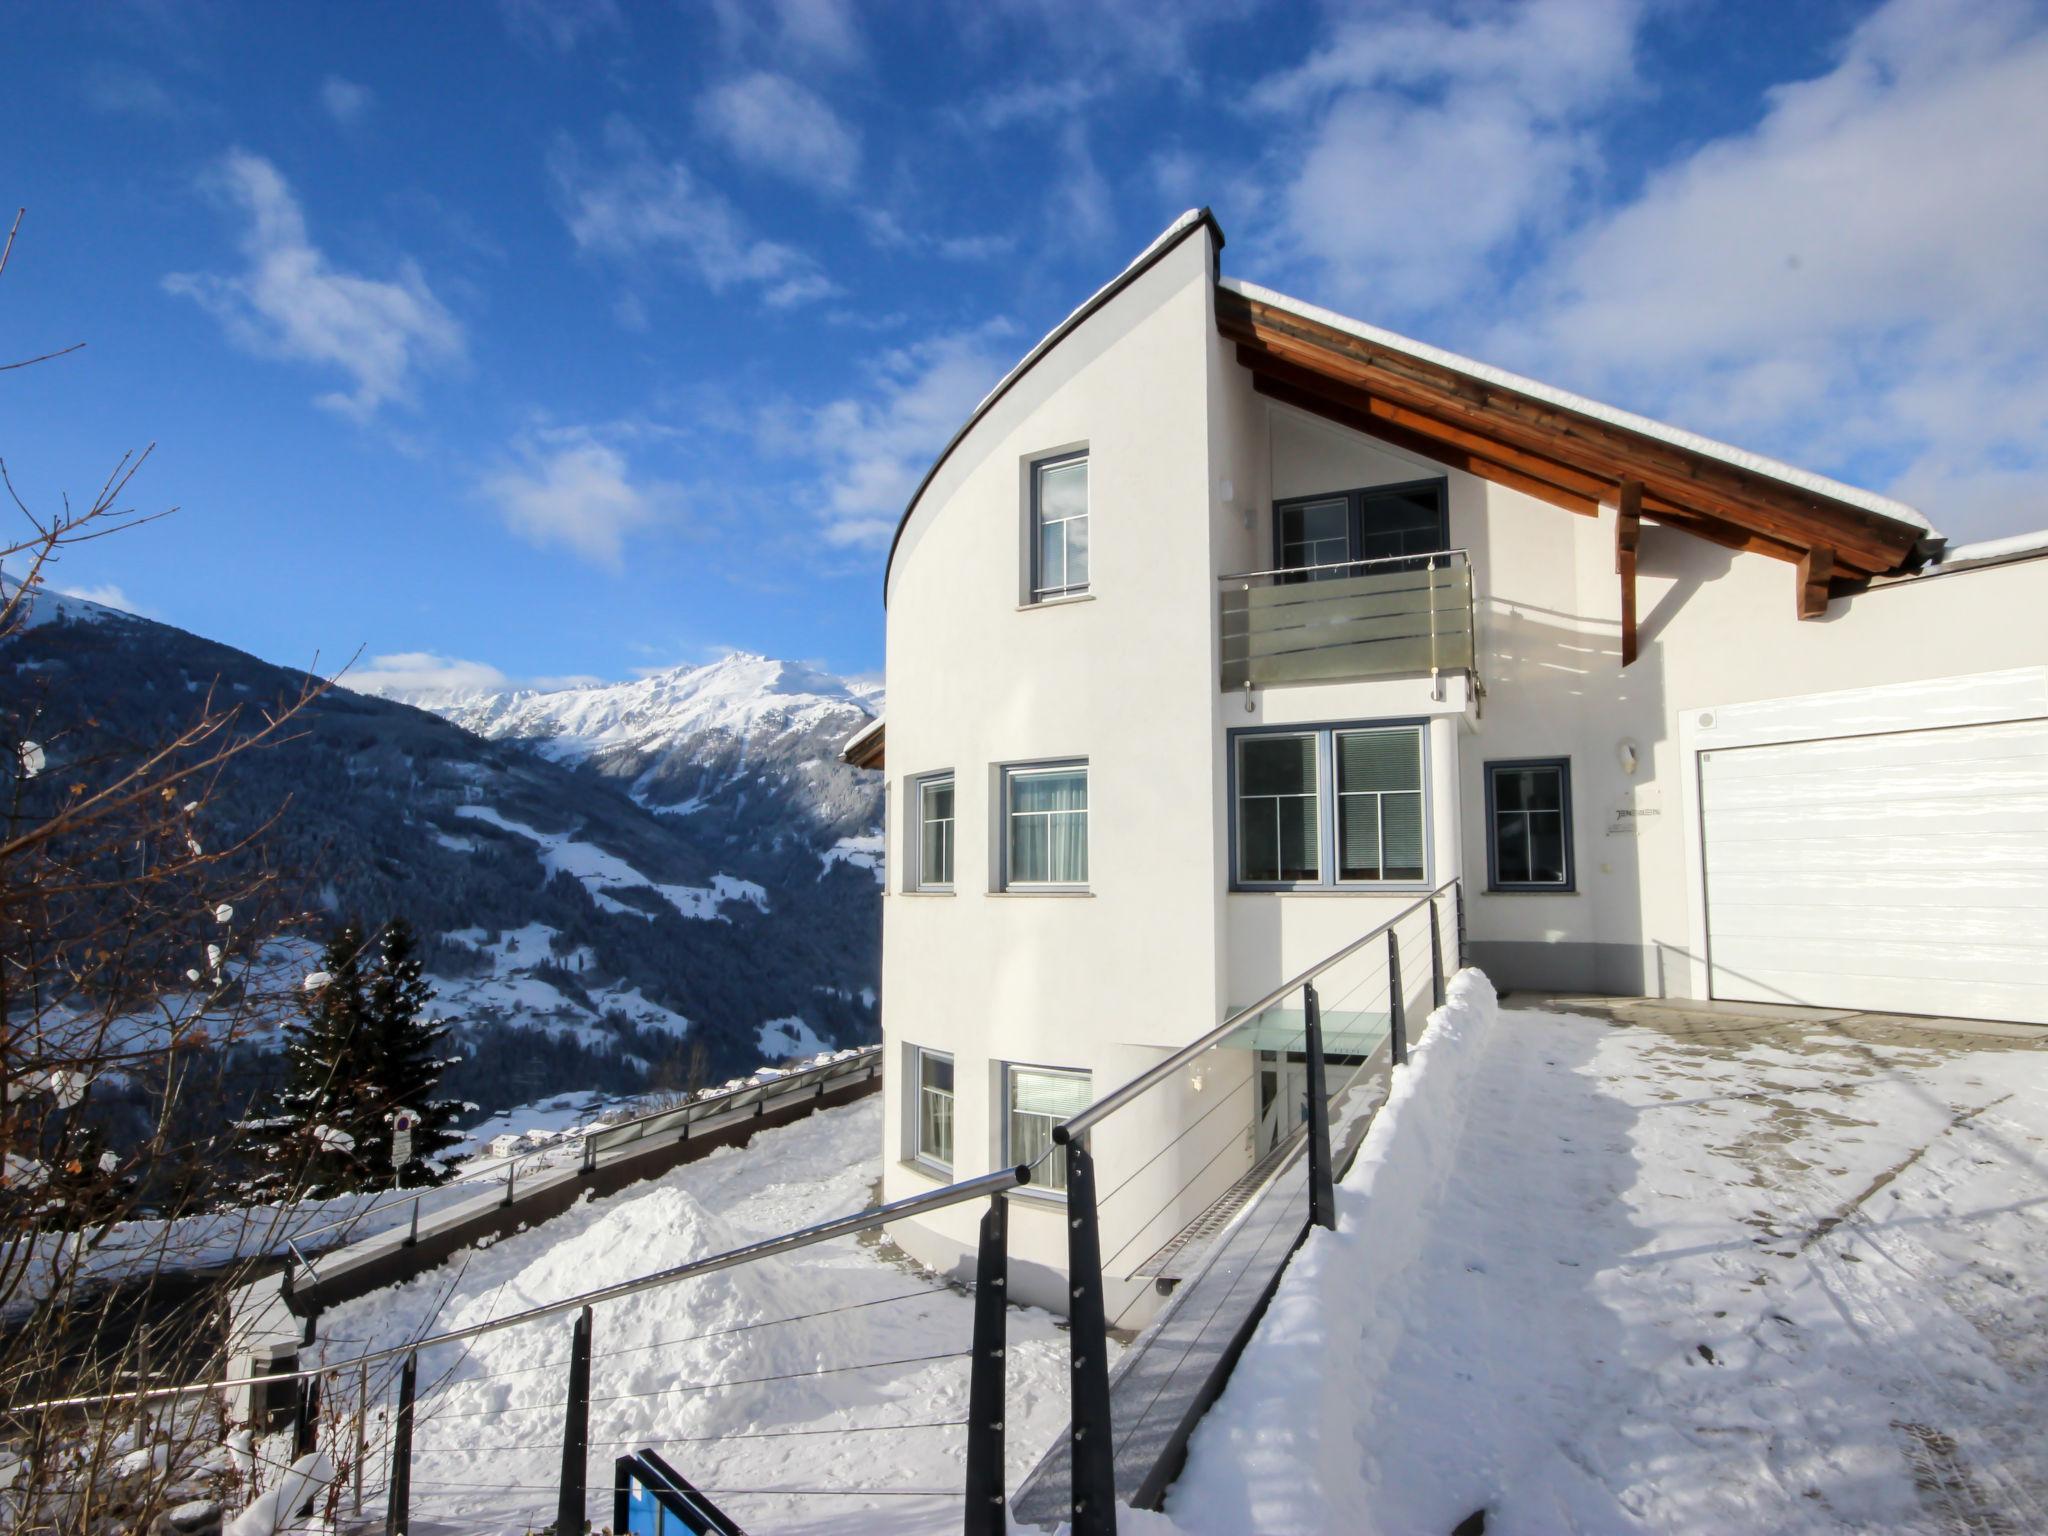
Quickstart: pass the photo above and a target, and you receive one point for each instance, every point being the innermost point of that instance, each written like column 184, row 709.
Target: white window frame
column 1042, row 1183
column 1015, row 771
column 1036, row 589
column 922, row 824
column 918, row 1154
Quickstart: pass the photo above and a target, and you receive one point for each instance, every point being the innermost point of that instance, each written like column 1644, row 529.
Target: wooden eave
column 1566, row 457
column 865, row 750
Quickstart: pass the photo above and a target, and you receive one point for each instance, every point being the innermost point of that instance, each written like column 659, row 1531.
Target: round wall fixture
column 1706, row 720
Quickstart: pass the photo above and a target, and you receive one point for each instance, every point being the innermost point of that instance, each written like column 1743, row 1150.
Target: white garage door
column 1902, row 873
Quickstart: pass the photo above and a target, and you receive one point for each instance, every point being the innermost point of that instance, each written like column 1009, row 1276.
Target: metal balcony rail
column 1349, row 619
column 984, row 1499
column 1094, row 1444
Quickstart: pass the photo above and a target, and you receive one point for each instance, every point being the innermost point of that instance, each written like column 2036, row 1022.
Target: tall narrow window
column 1039, row 1099
column 934, row 1108
column 1059, row 527
column 1379, row 804
column 1529, row 825
column 1278, row 829
column 935, row 833
column 1047, row 810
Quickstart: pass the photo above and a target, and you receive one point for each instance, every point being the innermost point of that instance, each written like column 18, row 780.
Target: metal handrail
column 768, row 1089
column 1116, row 1098
column 1350, row 565
column 861, row 1221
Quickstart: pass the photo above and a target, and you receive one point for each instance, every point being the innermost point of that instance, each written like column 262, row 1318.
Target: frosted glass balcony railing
column 1352, row 620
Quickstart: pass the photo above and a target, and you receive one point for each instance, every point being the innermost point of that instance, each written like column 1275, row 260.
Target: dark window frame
column 1328, row 831
column 1034, row 594
column 1355, row 502
column 1570, row 884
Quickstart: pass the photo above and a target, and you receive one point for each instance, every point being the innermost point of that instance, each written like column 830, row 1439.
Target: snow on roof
column 2016, row 546
column 1692, row 442
column 861, row 735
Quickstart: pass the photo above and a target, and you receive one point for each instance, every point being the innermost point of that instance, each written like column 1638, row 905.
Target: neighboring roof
column 1171, row 236
column 1678, row 437
column 863, row 749
column 1565, row 449
column 2017, row 546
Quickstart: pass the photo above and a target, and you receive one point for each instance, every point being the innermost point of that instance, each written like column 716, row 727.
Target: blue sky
column 528, row 341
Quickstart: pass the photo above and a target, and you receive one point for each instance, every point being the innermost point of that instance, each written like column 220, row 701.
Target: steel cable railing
column 1375, row 988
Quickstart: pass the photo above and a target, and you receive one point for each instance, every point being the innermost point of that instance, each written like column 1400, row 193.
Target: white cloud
column 292, row 303
column 119, row 89
column 1857, row 281
column 774, row 124
column 344, row 100
column 1436, row 141
column 876, row 446
column 428, row 677
column 635, row 206
column 569, row 488
column 821, row 31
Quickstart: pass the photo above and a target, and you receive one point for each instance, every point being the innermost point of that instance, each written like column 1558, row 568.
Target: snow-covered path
column 859, row 1400
column 1601, row 1278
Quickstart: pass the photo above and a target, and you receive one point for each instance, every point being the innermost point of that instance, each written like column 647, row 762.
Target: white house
column 1226, row 626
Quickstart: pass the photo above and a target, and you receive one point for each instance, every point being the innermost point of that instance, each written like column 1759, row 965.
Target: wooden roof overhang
column 1572, row 459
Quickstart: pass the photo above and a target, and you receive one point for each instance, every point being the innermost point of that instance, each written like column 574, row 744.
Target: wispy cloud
column 344, row 100
column 560, row 26
column 428, row 677
column 773, row 124
column 821, row 32
column 1856, row 281
column 629, row 204
column 874, row 446
column 123, row 90
column 291, row 302
column 107, row 595
column 566, row 486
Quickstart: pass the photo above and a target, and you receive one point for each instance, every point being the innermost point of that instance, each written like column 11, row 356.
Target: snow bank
column 1256, row 1465
column 783, row 1038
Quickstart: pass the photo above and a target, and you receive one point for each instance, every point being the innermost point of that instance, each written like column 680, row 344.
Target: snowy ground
column 1603, row 1278
column 707, row 1371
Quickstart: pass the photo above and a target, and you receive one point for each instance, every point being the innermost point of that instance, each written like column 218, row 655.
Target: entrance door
column 1283, row 1098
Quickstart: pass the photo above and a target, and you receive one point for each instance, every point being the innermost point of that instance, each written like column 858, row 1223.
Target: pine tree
column 311, row 1145
column 407, row 1049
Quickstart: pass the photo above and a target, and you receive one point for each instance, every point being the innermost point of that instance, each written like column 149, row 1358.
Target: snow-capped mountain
column 606, row 878
column 746, row 748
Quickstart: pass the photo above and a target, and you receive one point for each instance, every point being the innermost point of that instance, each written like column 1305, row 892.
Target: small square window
column 934, row 1109
column 935, row 833
column 1046, row 832
column 1059, row 527
column 1040, row 1098
column 1529, row 825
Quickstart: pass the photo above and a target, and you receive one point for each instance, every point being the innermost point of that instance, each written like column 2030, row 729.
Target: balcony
column 1347, row 622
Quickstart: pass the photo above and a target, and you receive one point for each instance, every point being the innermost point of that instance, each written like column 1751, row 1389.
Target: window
column 1047, row 834
column 1379, row 804
column 1278, row 829
column 1329, row 806
column 1382, row 522
column 935, row 833
column 1059, row 527
column 1529, row 825
column 1039, row 1099
column 934, row 1144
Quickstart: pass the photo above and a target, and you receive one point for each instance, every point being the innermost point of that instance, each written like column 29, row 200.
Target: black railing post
column 986, row 1515
column 1458, row 911
column 1436, row 957
column 1397, row 1011
column 1092, row 1456
column 511, row 1178
column 1322, row 1192
column 412, row 1233
column 569, row 1515
column 398, row 1512
column 306, row 1433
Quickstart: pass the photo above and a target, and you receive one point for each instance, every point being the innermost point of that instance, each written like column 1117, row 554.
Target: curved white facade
column 1185, row 463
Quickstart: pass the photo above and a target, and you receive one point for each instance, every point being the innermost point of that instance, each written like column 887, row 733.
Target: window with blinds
column 1379, row 804
column 1039, row 1099
column 1332, row 806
